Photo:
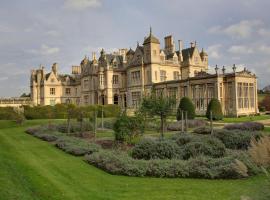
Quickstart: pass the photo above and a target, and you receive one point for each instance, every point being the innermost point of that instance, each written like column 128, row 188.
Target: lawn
column 34, row 169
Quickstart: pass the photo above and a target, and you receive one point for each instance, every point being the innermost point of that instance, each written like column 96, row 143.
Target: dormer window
column 52, row 80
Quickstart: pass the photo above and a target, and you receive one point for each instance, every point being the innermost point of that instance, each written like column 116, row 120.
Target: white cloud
column 53, row 33
column 264, row 32
column 213, row 51
column 45, row 50
column 243, row 29
column 82, row 4
column 240, row 49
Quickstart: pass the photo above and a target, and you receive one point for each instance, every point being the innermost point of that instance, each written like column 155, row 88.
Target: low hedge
column 236, row 139
column 202, row 130
column 246, row 126
column 207, row 146
column 44, row 133
column 76, row 146
column 120, row 163
column 152, row 149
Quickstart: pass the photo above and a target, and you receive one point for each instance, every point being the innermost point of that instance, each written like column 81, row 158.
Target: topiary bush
column 185, row 105
column 246, row 126
column 214, row 106
column 150, row 149
column 236, row 139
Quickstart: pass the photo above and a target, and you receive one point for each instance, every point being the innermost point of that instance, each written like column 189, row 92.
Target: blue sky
column 34, row 32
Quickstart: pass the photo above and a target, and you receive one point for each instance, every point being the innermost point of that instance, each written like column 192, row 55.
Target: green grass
column 245, row 119
column 34, row 169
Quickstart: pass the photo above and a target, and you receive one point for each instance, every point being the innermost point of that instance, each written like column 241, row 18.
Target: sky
column 34, row 32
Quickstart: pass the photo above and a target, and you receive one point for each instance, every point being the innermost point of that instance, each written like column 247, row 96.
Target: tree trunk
column 68, row 125
column 163, row 120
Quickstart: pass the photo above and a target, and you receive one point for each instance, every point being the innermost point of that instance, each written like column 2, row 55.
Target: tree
column 71, row 111
column 126, row 128
column 265, row 103
column 158, row 105
column 214, row 106
column 185, row 105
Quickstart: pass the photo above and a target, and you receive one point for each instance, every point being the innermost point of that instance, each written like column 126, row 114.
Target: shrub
column 44, row 133
column 235, row 139
column 247, row 126
column 8, row 113
column 265, row 103
column 202, row 130
column 185, row 105
column 150, row 149
column 184, row 138
column 260, row 151
column 177, row 126
column 207, row 146
column 214, row 106
column 200, row 167
column 75, row 127
column 76, row 146
column 126, row 128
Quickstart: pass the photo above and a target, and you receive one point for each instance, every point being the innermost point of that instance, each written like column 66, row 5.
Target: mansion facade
column 124, row 77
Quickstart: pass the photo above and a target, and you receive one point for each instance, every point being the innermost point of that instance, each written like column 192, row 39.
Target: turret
column 151, row 47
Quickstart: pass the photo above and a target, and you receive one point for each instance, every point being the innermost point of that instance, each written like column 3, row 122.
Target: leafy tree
column 214, row 106
column 158, row 105
column 185, row 105
column 126, row 128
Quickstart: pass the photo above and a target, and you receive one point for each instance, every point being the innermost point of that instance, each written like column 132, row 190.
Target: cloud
column 240, row 49
column 213, row 51
column 45, row 50
column 6, row 29
column 82, row 4
column 3, row 78
column 264, row 49
column 243, row 29
column 53, row 33
column 264, row 32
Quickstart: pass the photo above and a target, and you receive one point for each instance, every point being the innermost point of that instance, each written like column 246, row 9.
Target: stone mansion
column 123, row 77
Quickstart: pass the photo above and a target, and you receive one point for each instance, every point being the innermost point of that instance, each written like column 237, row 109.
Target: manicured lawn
column 246, row 119
column 33, row 169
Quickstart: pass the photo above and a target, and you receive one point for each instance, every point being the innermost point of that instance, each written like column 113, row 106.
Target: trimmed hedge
column 76, row 146
column 185, row 105
column 202, row 130
column 45, row 133
column 8, row 113
column 246, row 126
column 236, row 139
column 151, row 149
column 120, row 163
column 207, row 146
column 214, row 106
column 59, row 111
